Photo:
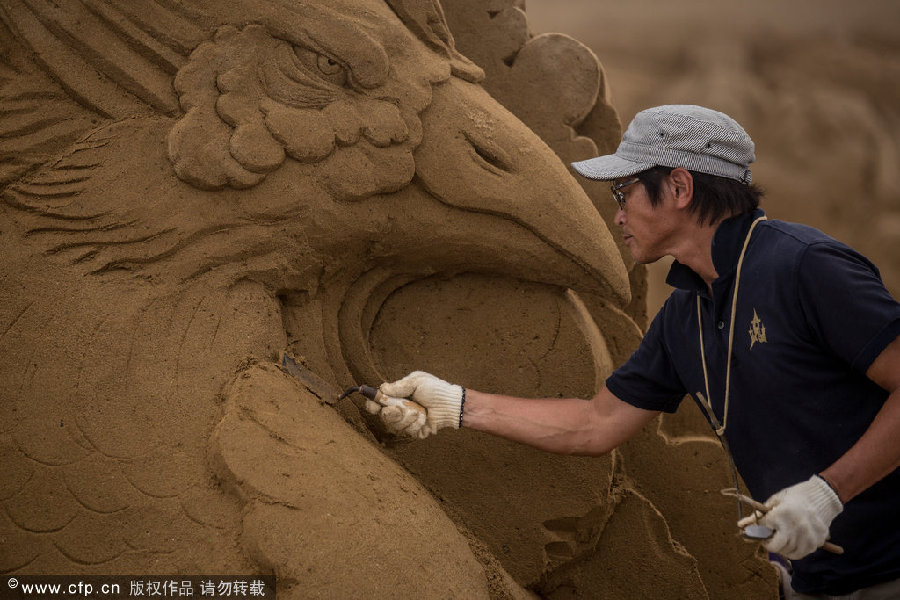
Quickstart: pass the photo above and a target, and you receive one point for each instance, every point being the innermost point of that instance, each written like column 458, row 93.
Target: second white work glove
column 800, row 516
column 442, row 401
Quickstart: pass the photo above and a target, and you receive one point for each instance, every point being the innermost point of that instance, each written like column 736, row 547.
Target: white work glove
column 800, row 517
column 400, row 417
column 442, row 401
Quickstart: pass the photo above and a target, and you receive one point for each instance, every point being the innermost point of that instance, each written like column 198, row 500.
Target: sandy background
column 816, row 84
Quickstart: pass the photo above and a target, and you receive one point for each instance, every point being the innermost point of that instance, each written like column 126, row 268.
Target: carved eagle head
column 306, row 146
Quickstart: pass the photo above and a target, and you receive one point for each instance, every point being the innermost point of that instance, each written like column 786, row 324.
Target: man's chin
column 645, row 260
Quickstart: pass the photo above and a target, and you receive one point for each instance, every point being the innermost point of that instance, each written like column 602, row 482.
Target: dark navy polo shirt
column 812, row 315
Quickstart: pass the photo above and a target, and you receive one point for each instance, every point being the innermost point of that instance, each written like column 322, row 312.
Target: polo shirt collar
column 726, row 249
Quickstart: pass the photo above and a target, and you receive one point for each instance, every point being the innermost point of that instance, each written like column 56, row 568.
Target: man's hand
column 800, row 517
column 442, row 401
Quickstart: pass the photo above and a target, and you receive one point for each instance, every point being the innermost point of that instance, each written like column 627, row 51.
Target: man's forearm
column 877, row 452
column 564, row 426
column 873, row 457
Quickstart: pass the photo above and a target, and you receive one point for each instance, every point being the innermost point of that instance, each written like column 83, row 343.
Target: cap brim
column 605, row 168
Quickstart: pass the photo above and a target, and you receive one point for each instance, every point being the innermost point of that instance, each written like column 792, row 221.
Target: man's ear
column 682, row 187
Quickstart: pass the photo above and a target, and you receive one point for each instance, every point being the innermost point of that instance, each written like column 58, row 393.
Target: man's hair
column 715, row 198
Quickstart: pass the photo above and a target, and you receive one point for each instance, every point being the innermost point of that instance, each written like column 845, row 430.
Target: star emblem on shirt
column 757, row 330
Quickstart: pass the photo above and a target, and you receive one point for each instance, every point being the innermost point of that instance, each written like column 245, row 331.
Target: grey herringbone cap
column 680, row 135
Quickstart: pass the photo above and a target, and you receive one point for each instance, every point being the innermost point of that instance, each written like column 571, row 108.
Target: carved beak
column 529, row 218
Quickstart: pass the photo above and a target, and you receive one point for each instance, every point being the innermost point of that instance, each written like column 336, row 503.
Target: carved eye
column 328, row 66
column 324, row 66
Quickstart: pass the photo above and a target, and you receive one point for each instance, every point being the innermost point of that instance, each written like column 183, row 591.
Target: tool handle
column 370, row 392
column 833, row 548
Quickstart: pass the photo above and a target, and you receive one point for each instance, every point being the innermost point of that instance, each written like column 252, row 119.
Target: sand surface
column 189, row 190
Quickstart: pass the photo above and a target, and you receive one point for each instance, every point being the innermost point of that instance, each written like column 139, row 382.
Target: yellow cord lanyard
column 707, row 401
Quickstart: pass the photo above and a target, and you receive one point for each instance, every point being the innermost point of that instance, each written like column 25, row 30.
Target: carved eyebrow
column 334, row 35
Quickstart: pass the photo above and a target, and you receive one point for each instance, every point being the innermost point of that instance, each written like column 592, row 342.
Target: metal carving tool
column 757, row 532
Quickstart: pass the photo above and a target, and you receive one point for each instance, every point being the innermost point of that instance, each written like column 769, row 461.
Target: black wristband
column 462, row 403
column 831, row 487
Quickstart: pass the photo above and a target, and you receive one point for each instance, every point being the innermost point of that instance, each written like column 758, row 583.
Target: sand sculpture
column 191, row 188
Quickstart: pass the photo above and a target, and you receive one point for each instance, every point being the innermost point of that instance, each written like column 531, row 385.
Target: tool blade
column 757, row 532
column 323, row 390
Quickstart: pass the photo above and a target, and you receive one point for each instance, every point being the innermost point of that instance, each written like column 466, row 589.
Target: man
column 786, row 338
